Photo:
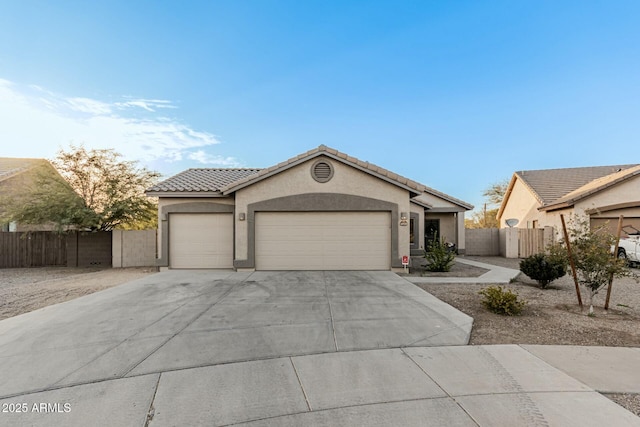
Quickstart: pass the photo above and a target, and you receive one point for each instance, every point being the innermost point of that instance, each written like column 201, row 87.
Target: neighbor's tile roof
column 596, row 185
column 10, row 166
column 549, row 185
column 201, row 179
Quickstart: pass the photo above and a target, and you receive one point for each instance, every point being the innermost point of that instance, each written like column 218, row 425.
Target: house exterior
column 600, row 194
column 321, row 210
column 17, row 175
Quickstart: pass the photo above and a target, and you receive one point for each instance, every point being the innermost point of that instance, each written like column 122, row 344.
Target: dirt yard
column 552, row 315
column 26, row 289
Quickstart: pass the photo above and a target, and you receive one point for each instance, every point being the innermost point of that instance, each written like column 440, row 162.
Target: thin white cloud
column 35, row 122
column 150, row 105
column 208, row 159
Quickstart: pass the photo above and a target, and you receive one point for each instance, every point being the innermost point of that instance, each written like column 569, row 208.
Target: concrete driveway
column 275, row 348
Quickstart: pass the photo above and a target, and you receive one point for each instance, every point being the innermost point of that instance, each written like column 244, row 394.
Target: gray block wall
column 134, row 248
column 482, row 241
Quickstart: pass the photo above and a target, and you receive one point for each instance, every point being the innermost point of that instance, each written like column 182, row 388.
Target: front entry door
column 431, row 231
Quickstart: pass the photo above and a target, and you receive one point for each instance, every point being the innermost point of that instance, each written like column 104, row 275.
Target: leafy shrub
column 439, row 255
column 544, row 268
column 500, row 301
column 591, row 252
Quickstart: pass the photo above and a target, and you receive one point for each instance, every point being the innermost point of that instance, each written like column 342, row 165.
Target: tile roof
column 226, row 181
column 549, row 185
column 594, row 186
column 201, row 179
column 10, row 166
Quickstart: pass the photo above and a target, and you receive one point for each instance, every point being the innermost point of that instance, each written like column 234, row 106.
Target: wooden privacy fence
column 530, row 242
column 50, row 249
column 32, row 249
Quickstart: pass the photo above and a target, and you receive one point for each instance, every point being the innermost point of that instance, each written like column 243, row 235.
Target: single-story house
column 536, row 198
column 321, row 210
column 17, row 175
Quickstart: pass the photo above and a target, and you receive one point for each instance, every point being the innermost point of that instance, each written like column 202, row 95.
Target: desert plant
column 591, row 253
column 544, row 268
column 500, row 301
column 439, row 255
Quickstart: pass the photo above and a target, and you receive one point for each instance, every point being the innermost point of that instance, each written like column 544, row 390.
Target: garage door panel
column 323, row 240
column 201, row 240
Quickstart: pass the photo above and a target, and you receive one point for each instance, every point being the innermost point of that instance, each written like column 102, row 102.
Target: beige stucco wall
column 298, row 180
column 627, row 191
column 523, row 206
column 436, row 202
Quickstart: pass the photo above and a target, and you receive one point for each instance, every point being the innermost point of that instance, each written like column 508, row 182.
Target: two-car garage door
column 323, row 240
column 285, row 240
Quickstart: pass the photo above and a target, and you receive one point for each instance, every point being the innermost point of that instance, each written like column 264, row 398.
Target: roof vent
column 322, row 171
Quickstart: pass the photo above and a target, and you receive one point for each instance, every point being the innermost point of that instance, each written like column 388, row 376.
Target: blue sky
column 454, row 94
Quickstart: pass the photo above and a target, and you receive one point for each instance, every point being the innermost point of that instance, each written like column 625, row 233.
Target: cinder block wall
column 482, row 241
column 134, row 248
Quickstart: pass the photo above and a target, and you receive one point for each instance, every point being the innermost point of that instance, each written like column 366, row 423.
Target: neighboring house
column 321, row 210
column 600, row 193
column 16, row 178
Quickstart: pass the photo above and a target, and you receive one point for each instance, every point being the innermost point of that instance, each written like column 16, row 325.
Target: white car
column 629, row 247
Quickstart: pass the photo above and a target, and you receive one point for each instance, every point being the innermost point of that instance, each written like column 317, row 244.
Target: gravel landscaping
column 551, row 316
column 26, row 289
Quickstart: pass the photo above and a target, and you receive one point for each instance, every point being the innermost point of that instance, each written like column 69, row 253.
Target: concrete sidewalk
column 496, row 274
column 416, row 386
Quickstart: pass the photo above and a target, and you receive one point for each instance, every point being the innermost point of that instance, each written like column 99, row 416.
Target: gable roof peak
column 549, row 185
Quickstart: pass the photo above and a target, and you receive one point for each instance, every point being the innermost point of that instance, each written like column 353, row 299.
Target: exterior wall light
column 242, row 216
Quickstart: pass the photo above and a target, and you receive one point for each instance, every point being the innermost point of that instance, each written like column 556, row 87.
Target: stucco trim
column 190, row 207
column 319, row 202
column 445, row 210
column 613, row 207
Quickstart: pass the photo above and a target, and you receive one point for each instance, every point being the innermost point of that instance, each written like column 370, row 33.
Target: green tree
column 95, row 190
column 488, row 216
column 591, row 253
column 495, row 192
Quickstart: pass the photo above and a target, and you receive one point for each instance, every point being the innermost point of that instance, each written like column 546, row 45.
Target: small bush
column 500, row 301
column 543, row 268
column 439, row 255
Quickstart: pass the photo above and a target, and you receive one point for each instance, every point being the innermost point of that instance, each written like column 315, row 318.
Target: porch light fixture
column 241, row 216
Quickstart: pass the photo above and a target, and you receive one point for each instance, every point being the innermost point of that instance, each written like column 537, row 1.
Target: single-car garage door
column 323, row 240
column 201, row 240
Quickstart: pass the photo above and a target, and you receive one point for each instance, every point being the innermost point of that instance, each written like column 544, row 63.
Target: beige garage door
column 323, row 241
column 201, row 240
column 612, row 224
